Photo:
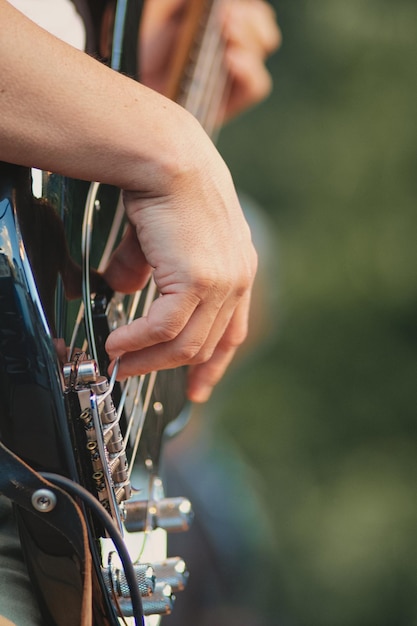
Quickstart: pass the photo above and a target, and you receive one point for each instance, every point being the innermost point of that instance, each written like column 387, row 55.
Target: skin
column 251, row 34
column 63, row 111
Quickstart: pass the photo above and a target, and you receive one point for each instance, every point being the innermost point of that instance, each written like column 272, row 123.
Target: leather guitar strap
column 23, row 486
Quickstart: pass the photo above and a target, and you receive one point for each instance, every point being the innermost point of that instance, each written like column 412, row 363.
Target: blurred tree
column 325, row 411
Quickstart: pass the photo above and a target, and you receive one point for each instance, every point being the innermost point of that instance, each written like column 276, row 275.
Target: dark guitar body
column 39, row 423
column 42, row 278
column 34, row 420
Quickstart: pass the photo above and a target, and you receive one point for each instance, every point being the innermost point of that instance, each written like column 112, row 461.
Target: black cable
column 109, row 525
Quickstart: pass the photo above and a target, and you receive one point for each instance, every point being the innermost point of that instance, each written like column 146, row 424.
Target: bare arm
column 63, row 111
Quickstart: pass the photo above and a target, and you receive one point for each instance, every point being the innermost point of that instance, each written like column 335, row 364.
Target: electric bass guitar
column 80, row 453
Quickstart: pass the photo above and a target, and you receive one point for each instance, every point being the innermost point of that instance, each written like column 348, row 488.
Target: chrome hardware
column 105, row 449
column 161, row 602
column 87, row 372
column 80, row 372
column 87, row 419
column 114, row 440
column 67, row 371
column 172, row 572
column 174, row 514
column 98, row 478
column 171, row 514
column 108, row 413
column 43, row 500
column 104, row 443
column 92, row 447
column 116, row 315
column 115, row 580
column 100, row 385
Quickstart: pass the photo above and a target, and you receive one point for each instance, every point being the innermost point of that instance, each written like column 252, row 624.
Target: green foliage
column 326, row 410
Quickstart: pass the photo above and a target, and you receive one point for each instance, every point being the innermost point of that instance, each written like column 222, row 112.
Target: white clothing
column 58, row 17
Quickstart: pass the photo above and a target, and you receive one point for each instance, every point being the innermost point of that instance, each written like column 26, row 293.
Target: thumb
column 128, row 269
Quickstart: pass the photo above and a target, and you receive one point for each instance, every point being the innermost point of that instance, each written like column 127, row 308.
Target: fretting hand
column 186, row 223
column 193, row 234
column 250, row 33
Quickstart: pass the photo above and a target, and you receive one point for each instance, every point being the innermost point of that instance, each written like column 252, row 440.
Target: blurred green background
column 324, row 409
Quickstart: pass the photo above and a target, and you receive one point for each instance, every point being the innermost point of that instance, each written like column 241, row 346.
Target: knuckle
column 206, row 285
column 234, row 338
column 203, row 355
column 166, row 332
column 187, row 353
column 244, row 285
column 168, row 326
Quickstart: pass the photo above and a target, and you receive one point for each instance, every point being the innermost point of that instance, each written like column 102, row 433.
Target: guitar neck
column 199, row 80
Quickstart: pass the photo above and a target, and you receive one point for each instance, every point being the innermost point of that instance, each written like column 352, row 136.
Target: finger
column 204, row 376
column 128, row 269
column 251, row 24
column 211, row 356
column 217, row 330
column 165, row 320
column 194, row 344
column 250, row 80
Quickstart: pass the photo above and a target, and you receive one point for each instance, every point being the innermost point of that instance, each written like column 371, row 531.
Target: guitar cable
column 89, row 500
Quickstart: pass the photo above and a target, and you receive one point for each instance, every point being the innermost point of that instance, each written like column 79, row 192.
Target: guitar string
column 110, row 244
column 212, row 79
column 87, row 230
column 194, row 99
column 140, row 419
column 207, row 80
column 202, row 113
column 209, row 70
column 87, row 310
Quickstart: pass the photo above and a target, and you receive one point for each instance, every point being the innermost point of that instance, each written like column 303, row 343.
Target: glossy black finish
column 40, row 289
column 32, row 413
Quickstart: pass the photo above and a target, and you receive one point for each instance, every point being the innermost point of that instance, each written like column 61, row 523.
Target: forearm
column 65, row 112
